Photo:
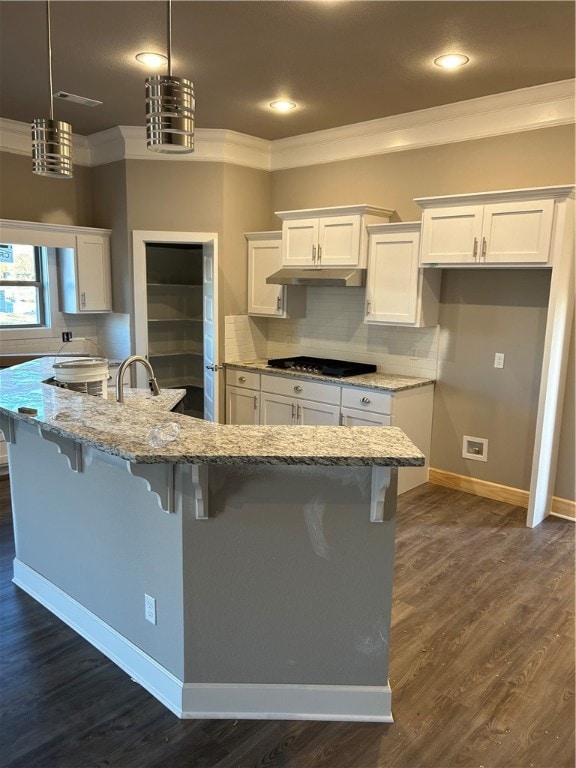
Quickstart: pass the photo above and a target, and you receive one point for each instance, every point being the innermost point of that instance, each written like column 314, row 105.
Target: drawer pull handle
column 365, row 400
column 242, row 378
column 297, row 388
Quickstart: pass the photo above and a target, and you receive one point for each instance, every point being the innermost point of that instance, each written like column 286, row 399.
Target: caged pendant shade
column 51, row 139
column 169, row 108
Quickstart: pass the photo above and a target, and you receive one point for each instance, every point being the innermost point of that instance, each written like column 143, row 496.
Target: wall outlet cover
column 475, row 448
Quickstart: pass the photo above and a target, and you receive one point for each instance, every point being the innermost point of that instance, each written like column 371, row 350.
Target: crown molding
column 541, row 106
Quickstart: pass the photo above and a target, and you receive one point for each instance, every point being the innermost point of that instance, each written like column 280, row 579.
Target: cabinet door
column 353, row 417
column 277, row 409
column 242, row 406
column 93, row 273
column 300, row 242
column 339, row 241
column 451, row 235
column 518, row 232
column 264, row 258
column 393, row 280
column 310, row 413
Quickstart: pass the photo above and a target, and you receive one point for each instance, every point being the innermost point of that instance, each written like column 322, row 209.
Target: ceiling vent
column 65, row 96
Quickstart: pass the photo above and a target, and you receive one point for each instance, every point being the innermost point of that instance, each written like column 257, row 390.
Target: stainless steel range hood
column 290, row 276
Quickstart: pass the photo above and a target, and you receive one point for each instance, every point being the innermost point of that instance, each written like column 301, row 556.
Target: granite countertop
column 388, row 382
column 122, row 429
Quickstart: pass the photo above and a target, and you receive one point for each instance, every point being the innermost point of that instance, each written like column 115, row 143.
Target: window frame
column 41, row 286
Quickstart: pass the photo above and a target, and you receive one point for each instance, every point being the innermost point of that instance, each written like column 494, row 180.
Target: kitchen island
column 237, row 571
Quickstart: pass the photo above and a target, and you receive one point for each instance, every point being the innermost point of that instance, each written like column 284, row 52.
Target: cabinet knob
column 319, row 253
column 475, row 250
column 242, row 378
column 279, row 304
column 313, row 253
column 484, row 244
column 83, row 298
column 297, row 388
column 365, row 400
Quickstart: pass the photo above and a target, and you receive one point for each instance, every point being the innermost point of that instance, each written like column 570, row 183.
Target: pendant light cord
column 170, row 38
column 50, row 60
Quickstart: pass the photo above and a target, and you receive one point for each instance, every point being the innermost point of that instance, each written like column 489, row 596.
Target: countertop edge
column 364, row 381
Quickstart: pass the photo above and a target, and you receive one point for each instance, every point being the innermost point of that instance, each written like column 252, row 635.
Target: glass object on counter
column 160, row 436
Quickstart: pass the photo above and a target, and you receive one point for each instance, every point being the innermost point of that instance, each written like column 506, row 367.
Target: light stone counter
column 388, row 382
column 122, row 429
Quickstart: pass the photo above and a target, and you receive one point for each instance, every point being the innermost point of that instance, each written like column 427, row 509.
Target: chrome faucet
column 125, row 364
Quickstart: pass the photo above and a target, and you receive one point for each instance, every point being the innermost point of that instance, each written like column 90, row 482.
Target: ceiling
column 342, row 61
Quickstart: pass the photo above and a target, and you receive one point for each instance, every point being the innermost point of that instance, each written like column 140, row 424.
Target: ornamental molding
column 526, row 109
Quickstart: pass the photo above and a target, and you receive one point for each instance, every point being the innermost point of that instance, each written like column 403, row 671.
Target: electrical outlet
column 499, row 360
column 66, row 335
column 475, row 448
column 150, row 609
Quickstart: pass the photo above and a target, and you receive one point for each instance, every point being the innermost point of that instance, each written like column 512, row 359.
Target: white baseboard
column 209, row 700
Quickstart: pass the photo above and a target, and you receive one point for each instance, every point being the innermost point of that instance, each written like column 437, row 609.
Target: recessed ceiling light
column 152, row 60
column 282, row 106
column 451, row 60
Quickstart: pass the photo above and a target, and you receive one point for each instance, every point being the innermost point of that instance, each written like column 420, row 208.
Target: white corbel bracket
column 192, row 488
column 159, row 478
column 381, row 477
column 7, row 426
column 67, row 447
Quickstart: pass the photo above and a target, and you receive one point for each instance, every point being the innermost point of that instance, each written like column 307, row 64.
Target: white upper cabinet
column 265, row 258
column 398, row 292
column 328, row 237
column 512, row 228
column 84, row 273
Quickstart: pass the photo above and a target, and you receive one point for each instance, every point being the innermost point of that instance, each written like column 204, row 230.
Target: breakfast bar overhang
column 236, row 572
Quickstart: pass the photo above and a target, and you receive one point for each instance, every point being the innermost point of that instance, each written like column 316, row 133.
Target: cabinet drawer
column 309, row 390
column 367, row 399
column 242, row 379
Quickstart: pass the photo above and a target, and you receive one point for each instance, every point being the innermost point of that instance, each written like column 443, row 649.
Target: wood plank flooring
column 482, row 665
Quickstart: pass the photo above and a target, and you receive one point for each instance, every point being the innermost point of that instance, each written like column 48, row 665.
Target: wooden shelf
column 175, row 354
column 175, row 320
column 173, row 285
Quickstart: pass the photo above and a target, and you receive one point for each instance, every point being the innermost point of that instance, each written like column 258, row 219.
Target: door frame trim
column 140, row 239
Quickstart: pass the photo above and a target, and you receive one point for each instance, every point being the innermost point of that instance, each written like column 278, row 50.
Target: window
column 21, row 287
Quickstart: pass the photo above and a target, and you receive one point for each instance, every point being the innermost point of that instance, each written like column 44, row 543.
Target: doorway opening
column 175, row 303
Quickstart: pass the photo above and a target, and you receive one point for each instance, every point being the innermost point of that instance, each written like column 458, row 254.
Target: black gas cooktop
column 322, row 366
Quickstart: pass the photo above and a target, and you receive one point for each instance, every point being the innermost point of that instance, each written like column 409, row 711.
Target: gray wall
column 27, row 197
column 482, row 313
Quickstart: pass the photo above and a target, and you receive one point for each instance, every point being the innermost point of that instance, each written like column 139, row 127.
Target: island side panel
column 100, row 536
column 288, row 581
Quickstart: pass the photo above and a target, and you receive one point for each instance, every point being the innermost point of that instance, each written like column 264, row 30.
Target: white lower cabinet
column 242, row 406
column 410, row 410
column 298, row 401
column 242, row 397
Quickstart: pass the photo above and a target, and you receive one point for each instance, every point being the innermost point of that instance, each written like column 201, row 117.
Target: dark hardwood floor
column 482, row 665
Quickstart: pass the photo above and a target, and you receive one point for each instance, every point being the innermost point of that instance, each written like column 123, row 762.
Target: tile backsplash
column 334, row 327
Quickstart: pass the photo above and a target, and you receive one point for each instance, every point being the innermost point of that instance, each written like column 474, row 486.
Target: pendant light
column 169, row 108
column 51, row 139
